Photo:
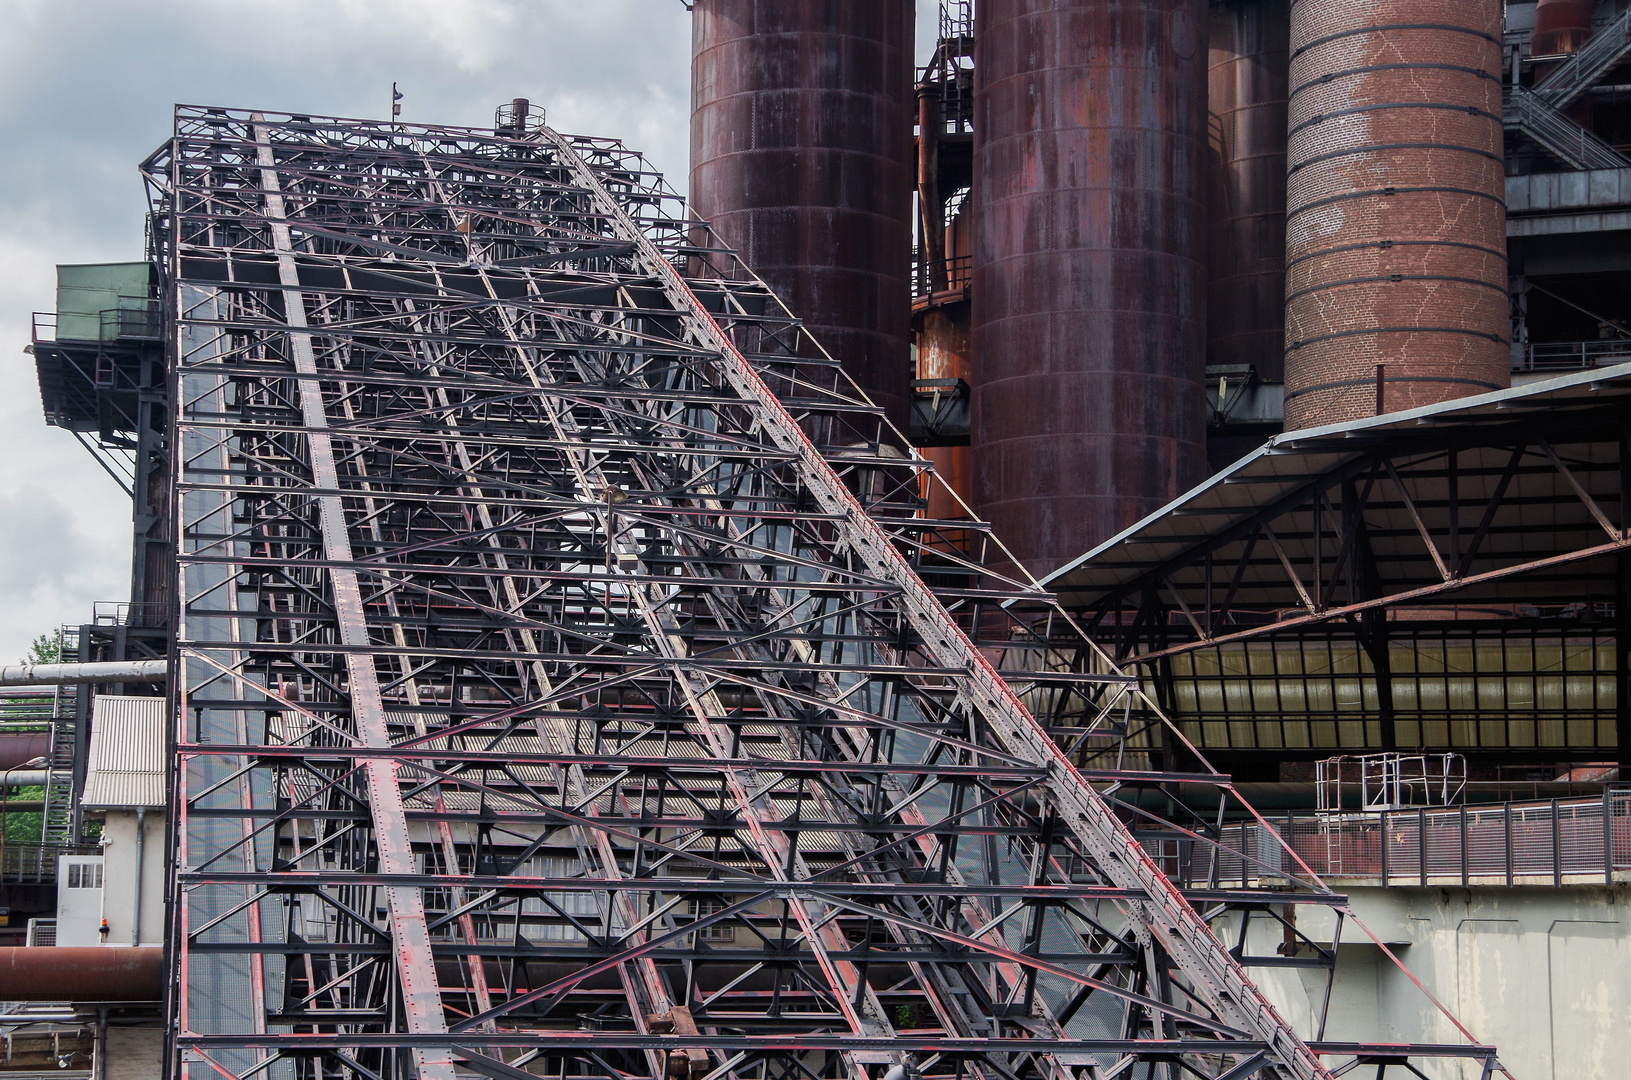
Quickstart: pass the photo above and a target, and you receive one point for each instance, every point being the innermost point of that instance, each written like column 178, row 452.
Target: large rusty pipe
column 802, row 160
column 18, row 748
column 89, row 973
column 62, row 674
column 1246, row 239
column 1396, row 285
column 1089, row 267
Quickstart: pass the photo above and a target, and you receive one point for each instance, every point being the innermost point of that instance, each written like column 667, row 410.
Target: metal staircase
column 61, row 816
column 1530, row 113
column 1582, row 69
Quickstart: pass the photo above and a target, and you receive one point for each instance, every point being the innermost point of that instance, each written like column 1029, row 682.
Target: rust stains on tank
column 1561, row 26
column 1250, row 45
column 1089, row 267
column 1396, row 290
column 802, row 159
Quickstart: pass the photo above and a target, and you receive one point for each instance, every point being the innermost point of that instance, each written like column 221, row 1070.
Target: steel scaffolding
column 568, row 685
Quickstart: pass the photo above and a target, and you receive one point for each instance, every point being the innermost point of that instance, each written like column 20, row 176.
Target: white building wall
column 1543, row 973
column 119, row 854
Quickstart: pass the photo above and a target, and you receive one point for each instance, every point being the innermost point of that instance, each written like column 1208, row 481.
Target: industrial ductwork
column 87, row 973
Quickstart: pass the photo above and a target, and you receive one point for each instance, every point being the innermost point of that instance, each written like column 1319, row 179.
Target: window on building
column 719, row 931
column 85, row 875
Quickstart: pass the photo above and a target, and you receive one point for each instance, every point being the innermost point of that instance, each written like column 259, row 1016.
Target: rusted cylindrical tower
column 1249, row 51
column 1561, row 26
column 1089, row 271
column 801, row 157
column 1396, row 291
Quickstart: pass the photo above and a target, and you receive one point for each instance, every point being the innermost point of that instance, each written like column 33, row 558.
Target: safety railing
column 1563, row 841
column 1571, row 143
column 936, row 279
column 36, row 863
column 1569, row 355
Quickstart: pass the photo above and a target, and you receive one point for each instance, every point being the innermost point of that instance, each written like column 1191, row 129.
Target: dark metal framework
column 558, row 688
column 1453, row 577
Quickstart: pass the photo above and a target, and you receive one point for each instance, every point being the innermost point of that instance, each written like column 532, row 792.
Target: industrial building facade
column 792, row 633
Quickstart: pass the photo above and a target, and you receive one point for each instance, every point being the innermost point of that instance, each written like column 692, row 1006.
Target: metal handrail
column 957, row 271
column 34, row 862
column 1556, row 841
column 1573, row 144
column 1569, row 355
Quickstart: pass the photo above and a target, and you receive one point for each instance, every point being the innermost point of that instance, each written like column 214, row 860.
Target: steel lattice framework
column 559, row 689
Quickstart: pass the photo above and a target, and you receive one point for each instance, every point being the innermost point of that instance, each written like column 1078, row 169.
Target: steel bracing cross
column 568, row 681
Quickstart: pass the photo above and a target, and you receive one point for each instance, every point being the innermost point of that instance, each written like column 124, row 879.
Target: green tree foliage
column 45, row 649
column 24, row 827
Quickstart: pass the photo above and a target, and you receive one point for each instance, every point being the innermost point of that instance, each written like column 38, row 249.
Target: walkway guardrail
column 33, row 863
column 1557, row 842
column 1570, row 355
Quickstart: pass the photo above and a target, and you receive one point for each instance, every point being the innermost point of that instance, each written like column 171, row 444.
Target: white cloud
column 86, row 91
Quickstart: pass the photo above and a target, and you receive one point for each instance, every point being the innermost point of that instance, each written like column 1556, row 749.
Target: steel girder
column 559, row 691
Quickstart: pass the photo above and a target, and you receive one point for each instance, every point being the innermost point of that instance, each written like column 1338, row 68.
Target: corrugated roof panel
column 126, row 768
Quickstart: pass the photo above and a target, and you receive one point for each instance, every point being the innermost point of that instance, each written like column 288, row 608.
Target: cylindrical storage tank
column 1561, row 26
column 1089, row 267
column 1249, row 51
column 802, row 159
column 1396, row 291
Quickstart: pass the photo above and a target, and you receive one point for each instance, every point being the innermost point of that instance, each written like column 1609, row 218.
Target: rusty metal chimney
column 1396, row 291
column 802, row 159
column 1089, row 267
column 1250, row 44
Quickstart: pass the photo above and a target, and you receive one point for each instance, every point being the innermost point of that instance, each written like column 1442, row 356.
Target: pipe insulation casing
column 61, row 674
column 1396, row 214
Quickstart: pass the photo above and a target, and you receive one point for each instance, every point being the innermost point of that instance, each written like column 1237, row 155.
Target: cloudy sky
column 86, row 88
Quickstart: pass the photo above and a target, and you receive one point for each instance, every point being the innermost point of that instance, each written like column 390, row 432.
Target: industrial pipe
column 801, row 159
column 1561, row 27
column 59, row 674
column 20, row 747
column 136, row 905
column 1088, row 333
column 89, row 973
column 25, row 777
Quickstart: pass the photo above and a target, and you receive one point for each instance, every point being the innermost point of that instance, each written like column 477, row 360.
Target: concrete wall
column 1543, row 973
column 135, row 1053
column 119, row 853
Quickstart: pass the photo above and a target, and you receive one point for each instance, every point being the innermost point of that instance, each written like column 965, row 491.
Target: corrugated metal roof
column 1540, row 517
column 126, row 768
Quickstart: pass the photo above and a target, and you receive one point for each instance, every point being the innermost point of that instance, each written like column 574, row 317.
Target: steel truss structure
column 559, row 686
